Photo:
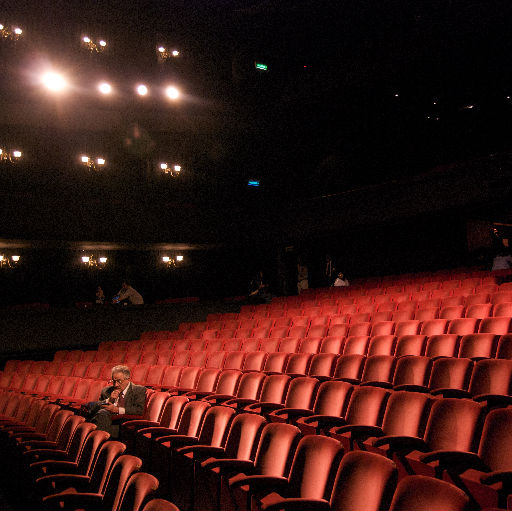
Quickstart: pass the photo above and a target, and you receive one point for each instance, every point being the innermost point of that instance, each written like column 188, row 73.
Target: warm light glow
column 166, row 259
column 85, row 159
column 179, row 258
column 163, row 166
column 172, row 92
column 18, row 31
column 175, row 53
column 1, row 150
column 103, row 43
column 100, row 161
column 15, row 258
column 1, row 257
column 85, row 259
column 1, row 28
column 105, row 88
column 103, row 260
column 16, row 154
column 86, row 39
column 177, row 168
column 142, row 90
column 54, row 82
column 161, row 49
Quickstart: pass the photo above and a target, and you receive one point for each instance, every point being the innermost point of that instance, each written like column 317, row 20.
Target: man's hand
column 111, row 408
column 114, row 395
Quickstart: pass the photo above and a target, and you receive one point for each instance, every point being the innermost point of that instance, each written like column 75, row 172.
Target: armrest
column 359, row 430
column 207, row 451
column 31, row 445
column 125, row 418
column 28, row 435
column 274, row 502
column 218, row 398
column 199, row 451
column 50, row 467
column 292, row 413
column 324, row 421
column 494, row 400
column 263, row 407
column 228, row 465
column 240, row 402
column 56, row 483
column 502, row 476
column 176, row 441
column 46, row 455
column 258, row 482
column 455, row 461
column 74, row 501
column 158, row 431
column 138, row 424
column 458, row 393
column 198, row 394
column 412, row 388
column 401, row 444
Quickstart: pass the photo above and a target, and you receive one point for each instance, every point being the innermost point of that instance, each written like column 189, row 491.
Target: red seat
column 412, row 373
column 504, row 349
column 463, row 326
column 254, row 361
column 450, row 376
column 382, row 345
column 332, row 344
column 445, row 345
column 349, row 368
column 356, row 345
column 434, row 327
column 426, row 313
column 378, row 370
column 410, row 327
column 382, row 328
column 276, row 362
column 496, row 325
column 478, row 346
column 479, row 310
column 410, row 345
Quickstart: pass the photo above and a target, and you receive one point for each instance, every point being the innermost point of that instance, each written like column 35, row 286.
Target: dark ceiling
column 357, row 93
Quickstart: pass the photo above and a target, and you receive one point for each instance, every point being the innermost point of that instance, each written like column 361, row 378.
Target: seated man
column 120, row 398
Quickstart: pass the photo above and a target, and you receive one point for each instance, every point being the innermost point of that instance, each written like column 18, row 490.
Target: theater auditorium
column 181, row 183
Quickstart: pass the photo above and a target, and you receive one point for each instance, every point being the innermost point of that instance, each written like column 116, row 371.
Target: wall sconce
column 93, row 47
column 93, row 262
column 13, row 34
column 167, row 53
column 92, row 163
column 10, row 156
column 172, row 170
column 9, row 262
column 170, row 262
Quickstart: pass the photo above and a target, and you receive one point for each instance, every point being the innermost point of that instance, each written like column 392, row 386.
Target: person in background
column 259, row 292
column 341, row 281
column 100, row 296
column 128, row 295
column 302, row 277
column 120, row 398
column 330, row 271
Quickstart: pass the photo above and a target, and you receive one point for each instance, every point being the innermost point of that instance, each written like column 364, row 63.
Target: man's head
column 125, row 284
column 121, row 377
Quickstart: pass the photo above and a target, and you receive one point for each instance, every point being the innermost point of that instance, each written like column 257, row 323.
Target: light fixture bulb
column 18, row 31
column 86, row 39
column 105, row 88
column 163, row 166
column 142, row 90
column 103, row 260
column 103, row 43
column 161, row 49
column 100, row 161
column 177, row 168
column 15, row 258
column 175, row 53
column 179, row 258
column 85, row 159
column 85, row 259
column 53, row 81
column 16, row 154
column 172, row 92
column 166, row 259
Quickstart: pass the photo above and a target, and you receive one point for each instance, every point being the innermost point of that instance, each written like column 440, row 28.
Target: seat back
column 172, row 410
column 250, row 385
column 421, row 493
column 332, row 398
column 313, row 468
column 366, row 406
column 87, row 455
column 406, row 414
column 364, row 481
column 137, row 489
column 454, row 424
column 450, row 373
column 301, row 392
column 122, row 470
column 215, row 426
column 274, row 388
column 496, row 442
column 192, row 418
column 107, row 454
column 243, row 436
column 491, row 376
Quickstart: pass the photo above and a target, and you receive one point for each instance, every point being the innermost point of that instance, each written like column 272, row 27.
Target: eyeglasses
column 117, row 381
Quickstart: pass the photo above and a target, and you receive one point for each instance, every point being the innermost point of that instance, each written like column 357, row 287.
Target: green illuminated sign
column 260, row 66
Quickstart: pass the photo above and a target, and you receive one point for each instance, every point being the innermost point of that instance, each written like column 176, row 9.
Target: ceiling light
column 179, row 258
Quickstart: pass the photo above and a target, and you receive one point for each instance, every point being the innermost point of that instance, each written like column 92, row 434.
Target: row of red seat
column 424, row 429
column 459, row 377
column 55, row 456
